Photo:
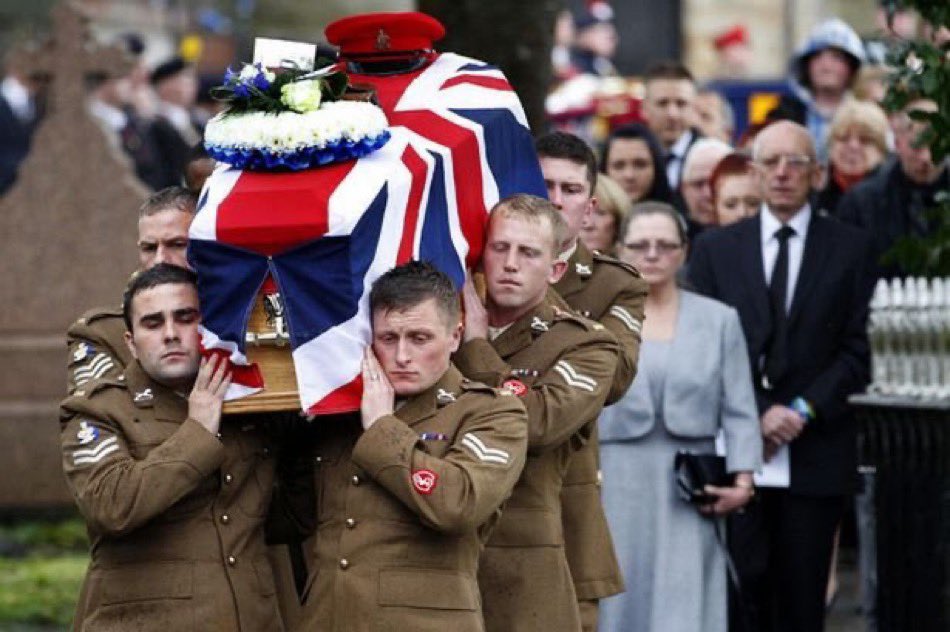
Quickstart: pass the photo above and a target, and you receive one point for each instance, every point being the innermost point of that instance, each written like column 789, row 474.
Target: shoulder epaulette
column 569, row 316
column 98, row 313
column 478, row 387
column 600, row 257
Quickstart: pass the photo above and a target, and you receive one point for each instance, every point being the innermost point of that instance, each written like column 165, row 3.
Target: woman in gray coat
column 693, row 383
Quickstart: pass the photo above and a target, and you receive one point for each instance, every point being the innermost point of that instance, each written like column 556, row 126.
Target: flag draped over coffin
column 460, row 142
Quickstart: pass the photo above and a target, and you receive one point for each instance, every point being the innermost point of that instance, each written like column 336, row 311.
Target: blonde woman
column 599, row 230
column 857, row 145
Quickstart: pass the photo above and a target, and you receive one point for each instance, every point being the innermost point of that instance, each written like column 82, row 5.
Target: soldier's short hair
column 170, row 199
column 413, row 283
column 535, row 209
column 568, row 147
column 160, row 274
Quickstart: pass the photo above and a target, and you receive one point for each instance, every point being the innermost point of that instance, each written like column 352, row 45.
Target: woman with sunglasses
column 693, row 382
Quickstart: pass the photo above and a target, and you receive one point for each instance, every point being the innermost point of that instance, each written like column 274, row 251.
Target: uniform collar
column 147, row 393
column 523, row 331
column 428, row 402
column 580, row 268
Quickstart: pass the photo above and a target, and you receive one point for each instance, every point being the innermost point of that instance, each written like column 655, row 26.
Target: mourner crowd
column 511, row 466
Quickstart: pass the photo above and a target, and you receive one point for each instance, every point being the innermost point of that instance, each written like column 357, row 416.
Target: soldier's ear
column 558, row 268
column 131, row 344
column 457, row 336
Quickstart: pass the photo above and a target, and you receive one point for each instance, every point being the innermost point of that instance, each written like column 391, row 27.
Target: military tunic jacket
column 613, row 293
column 174, row 513
column 563, row 367
column 404, row 508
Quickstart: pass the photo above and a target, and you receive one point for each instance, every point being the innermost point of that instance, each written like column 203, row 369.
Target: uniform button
column 266, row 451
column 318, row 459
column 225, row 519
column 232, row 560
column 218, row 435
column 344, row 563
column 350, row 523
column 228, row 478
column 355, row 480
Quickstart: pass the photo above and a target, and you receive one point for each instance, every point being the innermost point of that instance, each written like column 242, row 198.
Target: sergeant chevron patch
column 573, row 378
column 626, row 318
column 96, row 368
column 96, row 454
column 482, row 452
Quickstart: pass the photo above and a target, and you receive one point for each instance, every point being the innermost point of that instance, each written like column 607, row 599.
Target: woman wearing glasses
column 693, row 382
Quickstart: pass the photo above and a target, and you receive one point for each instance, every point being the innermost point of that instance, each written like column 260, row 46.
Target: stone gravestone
column 67, row 242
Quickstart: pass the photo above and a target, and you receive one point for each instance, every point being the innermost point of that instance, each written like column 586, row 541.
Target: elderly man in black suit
column 801, row 285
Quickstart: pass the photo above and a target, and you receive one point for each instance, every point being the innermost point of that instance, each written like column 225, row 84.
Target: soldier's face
column 164, row 336
column 569, row 190
column 163, row 238
column 519, row 264
column 413, row 345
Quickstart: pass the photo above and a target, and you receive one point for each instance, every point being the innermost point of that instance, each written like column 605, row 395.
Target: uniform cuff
column 389, row 442
column 198, row 447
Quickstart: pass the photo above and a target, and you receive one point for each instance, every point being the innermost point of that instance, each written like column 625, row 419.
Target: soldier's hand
column 476, row 318
column 378, row 395
column 207, row 396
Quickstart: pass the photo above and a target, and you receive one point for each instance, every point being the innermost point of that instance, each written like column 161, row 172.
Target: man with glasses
column 801, row 286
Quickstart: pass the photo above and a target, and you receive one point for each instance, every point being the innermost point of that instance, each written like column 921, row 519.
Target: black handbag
column 695, row 471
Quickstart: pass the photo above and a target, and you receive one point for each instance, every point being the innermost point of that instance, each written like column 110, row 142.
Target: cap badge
column 143, row 396
column 86, row 434
column 382, row 40
column 583, row 269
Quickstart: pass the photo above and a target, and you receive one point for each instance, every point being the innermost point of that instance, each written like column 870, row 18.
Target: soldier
column 96, row 340
column 562, row 366
column 97, row 349
column 408, row 489
column 613, row 293
column 174, row 500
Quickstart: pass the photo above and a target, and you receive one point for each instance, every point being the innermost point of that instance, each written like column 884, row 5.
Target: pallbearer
column 526, row 339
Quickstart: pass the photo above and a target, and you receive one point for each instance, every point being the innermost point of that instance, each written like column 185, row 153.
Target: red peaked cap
column 736, row 35
column 371, row 33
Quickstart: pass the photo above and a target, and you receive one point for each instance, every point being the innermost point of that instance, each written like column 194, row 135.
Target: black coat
column 828, row 352
column 889, row 206
column 15, row 138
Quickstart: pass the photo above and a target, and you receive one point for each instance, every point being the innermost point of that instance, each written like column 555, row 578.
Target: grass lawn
column 38, row 591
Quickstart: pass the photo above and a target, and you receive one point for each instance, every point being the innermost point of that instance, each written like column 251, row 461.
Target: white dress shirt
column 675, row 157
column 796, row 246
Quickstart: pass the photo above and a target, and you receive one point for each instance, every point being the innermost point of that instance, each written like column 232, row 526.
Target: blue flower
column 229, row 76
column 260, row 82
column 241, row 91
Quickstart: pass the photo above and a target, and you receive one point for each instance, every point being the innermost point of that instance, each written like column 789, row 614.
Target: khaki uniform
column 174, row 513
column 563, row 365
column 611, row 292
column 97, row 347
column 97, row 350
column 404, row 508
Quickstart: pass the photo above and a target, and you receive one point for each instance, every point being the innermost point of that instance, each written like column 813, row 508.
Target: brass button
column 318, row 459
column 225, row 519
column 350, row 523
column 355, row 480
column 232, row 560
column 344, row 564
column 228, row 478
column 218, row 435
column 266, row 451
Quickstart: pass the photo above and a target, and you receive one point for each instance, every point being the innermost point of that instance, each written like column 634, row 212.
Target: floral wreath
column 291, row 119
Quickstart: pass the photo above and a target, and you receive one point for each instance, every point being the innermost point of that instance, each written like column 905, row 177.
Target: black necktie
column 776, row 360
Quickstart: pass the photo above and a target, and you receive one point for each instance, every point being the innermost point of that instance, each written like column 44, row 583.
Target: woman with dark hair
column 632, row 156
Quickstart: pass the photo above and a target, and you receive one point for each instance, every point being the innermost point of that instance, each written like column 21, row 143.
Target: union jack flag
column 460, row 142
